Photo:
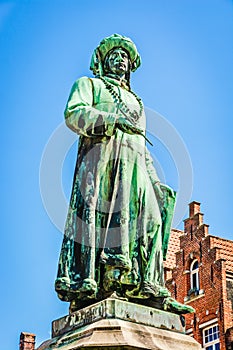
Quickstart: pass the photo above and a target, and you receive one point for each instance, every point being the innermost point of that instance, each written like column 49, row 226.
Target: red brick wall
column 215, row 258
column 27, row 341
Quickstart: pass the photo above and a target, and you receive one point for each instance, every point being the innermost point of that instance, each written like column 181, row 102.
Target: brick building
column 199, row 272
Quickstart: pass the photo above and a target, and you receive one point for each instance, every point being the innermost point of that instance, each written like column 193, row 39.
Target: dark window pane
column 194, row 281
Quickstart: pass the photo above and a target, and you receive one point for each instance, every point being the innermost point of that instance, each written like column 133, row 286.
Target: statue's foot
column 67, row 291
column 137, row 294
column 170, row 304
column 149, row 291
column 114, row 295
column 62, row 284
column 62, row 287
column 88, row 289
column 155, row 290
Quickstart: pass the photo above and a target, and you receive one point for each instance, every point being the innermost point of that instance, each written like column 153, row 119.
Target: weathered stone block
column 116, row 324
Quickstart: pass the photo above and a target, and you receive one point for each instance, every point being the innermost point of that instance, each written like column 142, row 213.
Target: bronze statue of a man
column 119, row 219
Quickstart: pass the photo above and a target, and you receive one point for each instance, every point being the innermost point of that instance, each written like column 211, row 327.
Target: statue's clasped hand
column 124, row 125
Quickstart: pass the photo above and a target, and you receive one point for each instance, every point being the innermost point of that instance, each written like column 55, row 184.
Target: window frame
column 194, row 272
column 214, row 341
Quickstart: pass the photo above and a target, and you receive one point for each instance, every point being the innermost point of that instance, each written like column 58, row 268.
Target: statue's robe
column 115, row 219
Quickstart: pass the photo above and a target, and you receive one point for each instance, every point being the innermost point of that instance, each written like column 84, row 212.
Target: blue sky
column 186, row 76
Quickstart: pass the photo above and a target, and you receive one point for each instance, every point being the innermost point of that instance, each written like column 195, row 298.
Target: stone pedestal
column 116, row 324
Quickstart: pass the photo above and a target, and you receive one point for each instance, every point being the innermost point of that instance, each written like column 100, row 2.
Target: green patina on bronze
column 119, row 219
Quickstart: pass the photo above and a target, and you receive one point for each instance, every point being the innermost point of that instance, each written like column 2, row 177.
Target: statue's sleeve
column 82, row 117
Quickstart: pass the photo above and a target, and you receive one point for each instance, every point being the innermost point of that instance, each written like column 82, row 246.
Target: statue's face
column 118, row 62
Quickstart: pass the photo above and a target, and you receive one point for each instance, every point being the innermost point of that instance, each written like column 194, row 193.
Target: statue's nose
column 120, row 58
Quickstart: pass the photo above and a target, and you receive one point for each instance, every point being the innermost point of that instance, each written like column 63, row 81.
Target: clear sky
column 186, row 76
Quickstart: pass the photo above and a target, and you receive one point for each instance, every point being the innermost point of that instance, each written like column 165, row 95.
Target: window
column 194, row 275
column 211, row 338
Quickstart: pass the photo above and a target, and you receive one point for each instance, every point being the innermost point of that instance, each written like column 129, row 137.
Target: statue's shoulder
column 82, row 81
column 95, row 83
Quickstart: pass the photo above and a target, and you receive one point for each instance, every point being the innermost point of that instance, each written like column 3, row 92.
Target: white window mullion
column 211, row 338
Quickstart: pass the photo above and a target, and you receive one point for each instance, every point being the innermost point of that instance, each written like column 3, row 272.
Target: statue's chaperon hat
column 109, row 43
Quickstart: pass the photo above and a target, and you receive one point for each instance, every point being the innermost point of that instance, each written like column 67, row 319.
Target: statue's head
column 117, row 54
